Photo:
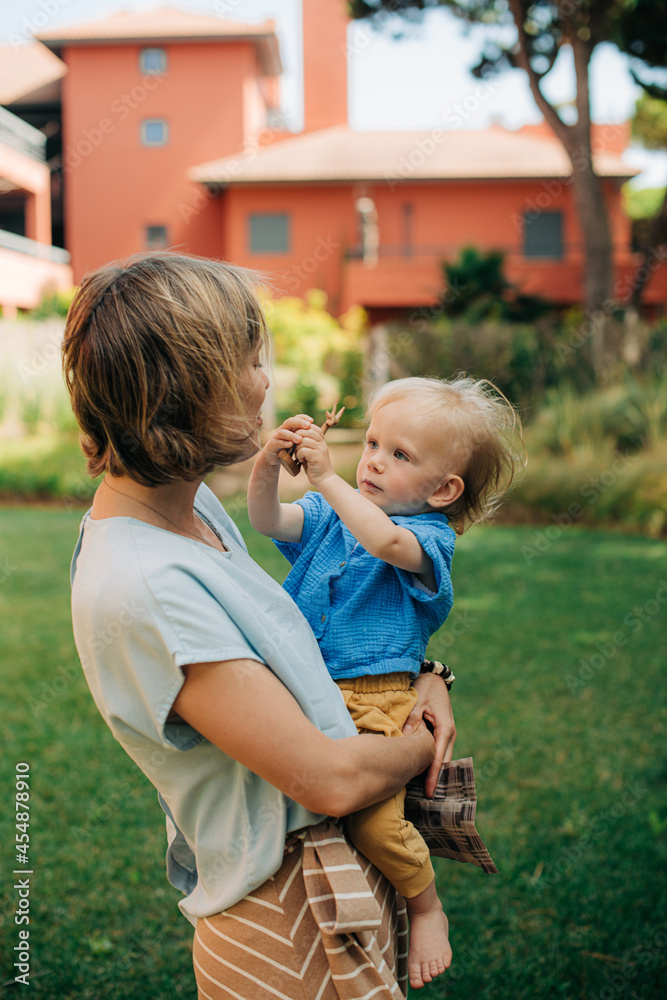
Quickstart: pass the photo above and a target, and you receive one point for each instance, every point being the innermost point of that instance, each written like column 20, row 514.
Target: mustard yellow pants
column 381, row 832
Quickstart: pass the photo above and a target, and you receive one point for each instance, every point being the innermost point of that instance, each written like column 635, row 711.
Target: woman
column 202, row 666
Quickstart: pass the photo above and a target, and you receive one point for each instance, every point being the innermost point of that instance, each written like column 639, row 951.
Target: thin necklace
column 164, row 516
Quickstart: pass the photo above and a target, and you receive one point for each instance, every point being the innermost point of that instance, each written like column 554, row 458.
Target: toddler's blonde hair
column 481, row 432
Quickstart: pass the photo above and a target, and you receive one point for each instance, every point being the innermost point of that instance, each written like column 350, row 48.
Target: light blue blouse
column 146, row 601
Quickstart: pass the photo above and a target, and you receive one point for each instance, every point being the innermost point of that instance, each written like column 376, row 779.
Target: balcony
column 409, row 277
column 395, row 280
column 28, row 271
column 22, row 137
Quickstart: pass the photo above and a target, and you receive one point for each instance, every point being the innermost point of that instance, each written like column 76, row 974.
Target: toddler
column 371, row 573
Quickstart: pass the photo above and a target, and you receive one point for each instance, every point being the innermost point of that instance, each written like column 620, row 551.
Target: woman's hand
column 285, row 437
column 242, row 707
column 434, row 706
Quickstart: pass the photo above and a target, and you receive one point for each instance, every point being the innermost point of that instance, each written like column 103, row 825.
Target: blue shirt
column 146, row 601
column 368, row 617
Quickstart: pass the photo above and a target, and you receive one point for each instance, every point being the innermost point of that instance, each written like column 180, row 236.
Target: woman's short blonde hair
column 481, row 435
column 153, row 351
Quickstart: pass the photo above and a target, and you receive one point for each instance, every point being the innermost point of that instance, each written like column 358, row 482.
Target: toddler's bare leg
column 429, row 953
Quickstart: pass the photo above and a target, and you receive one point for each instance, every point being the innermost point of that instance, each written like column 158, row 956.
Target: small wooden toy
column 288, row 458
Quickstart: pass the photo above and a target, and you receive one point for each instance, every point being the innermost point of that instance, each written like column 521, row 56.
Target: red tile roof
column 162, row 24
column 340, row 154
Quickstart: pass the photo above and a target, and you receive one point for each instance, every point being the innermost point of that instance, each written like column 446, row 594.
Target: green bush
column 46, row 466
column 600, row 458
column 54, row 303
column 654, row 349
column 487, row 328
column 477, row 289
column 516, row 358
column 316, row 358
column 33, row 398
column 525, row 360
column 622, row 418
column 594, row 487
column 604, row 451
column 642, row 203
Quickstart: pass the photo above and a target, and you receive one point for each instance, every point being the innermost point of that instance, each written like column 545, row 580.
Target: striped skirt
column 326, row 926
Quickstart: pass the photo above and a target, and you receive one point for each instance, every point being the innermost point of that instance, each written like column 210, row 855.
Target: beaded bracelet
column 435, row 667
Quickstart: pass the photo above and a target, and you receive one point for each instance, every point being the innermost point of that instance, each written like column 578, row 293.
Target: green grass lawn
column 556, row 643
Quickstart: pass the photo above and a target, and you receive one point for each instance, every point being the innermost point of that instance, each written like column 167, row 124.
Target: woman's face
column 253, row 386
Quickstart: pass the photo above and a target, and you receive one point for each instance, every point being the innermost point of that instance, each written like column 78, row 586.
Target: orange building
column 369, row 216
column 172, row 137
column 146, row 96
column 30, row 266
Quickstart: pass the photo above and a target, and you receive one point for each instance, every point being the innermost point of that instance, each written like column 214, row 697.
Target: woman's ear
column 449, row 490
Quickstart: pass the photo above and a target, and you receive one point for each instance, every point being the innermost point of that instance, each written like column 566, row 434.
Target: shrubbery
column 317, row 358
column 486, row 328
column 476, row 289
column 526, row 360
column 39, row 443
column 624, row 418
column 598, row 458
column 598, row 451
column 53, row 304
column 517, row 358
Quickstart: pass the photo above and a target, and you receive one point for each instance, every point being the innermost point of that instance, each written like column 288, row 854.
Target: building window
column 153, row 61
column 543, row 234
column 154, row 132
column 155, row 237
column 269, row 233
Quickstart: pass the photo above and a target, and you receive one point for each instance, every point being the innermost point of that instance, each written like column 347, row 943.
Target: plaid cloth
column 447, row 821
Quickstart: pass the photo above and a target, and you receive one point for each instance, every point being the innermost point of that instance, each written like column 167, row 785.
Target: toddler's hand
column 286, row 436
column 313, row 453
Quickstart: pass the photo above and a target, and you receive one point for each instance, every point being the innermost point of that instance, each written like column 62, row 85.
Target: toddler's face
column 404, row 461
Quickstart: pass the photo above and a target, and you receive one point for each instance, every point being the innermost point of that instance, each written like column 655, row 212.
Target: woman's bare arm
column 241, row 707
column 267, row 514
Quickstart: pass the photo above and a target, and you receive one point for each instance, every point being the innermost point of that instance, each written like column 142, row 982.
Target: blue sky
column 403, row 83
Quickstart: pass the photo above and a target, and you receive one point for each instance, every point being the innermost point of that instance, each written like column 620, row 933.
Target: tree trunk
column 597, row 247
column 588, row 193
column 593, row 218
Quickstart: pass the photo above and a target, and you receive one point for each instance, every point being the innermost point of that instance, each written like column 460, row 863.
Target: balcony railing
column 11, row 241
column 19, row 135
column 451, row 251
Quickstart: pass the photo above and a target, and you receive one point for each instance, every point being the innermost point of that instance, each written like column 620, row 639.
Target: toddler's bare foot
column 429, row 953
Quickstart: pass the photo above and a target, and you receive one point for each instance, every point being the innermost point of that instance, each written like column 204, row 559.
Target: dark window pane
column 543, row 234
column 156, row 237
column 269, row 233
